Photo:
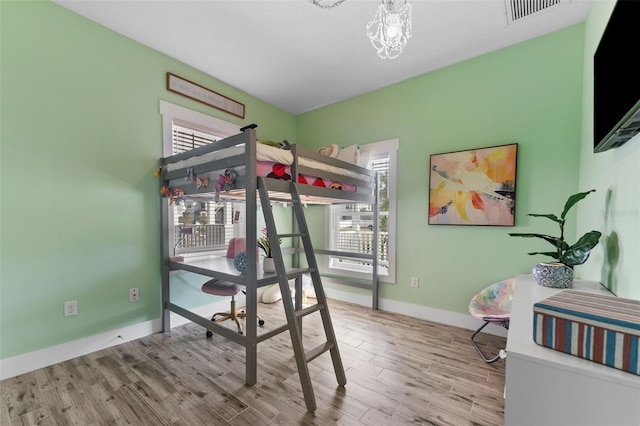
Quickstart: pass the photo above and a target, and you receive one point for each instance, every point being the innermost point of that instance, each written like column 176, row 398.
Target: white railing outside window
column 350, row 226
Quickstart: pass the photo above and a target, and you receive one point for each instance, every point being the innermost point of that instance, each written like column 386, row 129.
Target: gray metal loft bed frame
column 240, row 153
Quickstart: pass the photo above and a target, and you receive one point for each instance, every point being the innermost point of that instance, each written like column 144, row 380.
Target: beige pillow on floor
column 272, row 294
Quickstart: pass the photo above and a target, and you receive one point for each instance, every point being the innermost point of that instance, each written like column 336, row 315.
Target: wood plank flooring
column 400, row 371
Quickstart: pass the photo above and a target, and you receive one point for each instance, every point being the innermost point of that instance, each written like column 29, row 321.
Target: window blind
column 185, row 139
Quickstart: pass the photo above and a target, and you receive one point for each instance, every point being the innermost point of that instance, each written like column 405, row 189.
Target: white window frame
column 185, row 117
column 391, row 147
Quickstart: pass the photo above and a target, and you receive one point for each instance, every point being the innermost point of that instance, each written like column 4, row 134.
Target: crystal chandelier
column 390, row 28
column 327, row 5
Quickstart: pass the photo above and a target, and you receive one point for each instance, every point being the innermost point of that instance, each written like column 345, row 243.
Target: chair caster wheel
column 261, row 322
column 209, row 334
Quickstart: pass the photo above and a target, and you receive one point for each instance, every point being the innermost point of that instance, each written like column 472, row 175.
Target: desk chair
column 219, row 287
column 493, row 306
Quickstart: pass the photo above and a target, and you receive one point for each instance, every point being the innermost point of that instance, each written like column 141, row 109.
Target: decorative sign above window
column 473, row 187
column 201, row 94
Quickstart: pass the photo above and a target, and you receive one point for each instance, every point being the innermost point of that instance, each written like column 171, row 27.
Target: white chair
column 493, row 306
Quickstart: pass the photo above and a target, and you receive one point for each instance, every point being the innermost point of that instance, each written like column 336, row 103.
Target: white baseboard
column 31, row 361
column 417, row 311
column 20, row 364
column 25, row 363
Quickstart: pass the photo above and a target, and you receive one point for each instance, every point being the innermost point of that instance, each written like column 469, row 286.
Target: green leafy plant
column 572, row 255
column 263, row 243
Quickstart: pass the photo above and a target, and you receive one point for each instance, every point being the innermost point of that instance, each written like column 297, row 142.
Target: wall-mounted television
column 616, row 102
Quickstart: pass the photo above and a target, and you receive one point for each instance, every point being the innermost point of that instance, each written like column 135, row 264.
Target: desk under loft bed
column 196, row 174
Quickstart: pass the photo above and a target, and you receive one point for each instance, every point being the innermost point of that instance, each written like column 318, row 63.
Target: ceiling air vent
column 518, row 9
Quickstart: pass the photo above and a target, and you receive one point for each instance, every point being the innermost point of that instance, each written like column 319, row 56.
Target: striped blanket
column 603, row 329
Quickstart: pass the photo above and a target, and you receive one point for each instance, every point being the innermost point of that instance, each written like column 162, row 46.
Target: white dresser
column 545, row 387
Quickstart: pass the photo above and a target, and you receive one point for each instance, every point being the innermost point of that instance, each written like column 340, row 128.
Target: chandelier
column 390, row 29
column 327, row 5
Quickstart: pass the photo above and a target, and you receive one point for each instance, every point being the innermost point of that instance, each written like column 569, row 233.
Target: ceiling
column 300, row 57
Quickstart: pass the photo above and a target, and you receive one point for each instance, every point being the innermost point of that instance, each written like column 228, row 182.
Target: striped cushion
column 603, row 329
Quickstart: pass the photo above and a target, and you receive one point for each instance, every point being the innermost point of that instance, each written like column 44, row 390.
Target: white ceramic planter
column 268, row 265
column 556, row 275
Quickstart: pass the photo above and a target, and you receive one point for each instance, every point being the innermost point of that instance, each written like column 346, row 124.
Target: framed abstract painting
column 473, row 187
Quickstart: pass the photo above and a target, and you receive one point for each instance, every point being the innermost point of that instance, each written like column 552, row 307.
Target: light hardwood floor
column 400, row 370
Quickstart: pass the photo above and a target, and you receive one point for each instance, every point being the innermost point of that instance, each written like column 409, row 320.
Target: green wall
column 81, row 136
column 615, row 208
column 529, row 93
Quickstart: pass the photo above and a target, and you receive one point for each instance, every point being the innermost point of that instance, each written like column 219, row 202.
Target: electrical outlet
column 70, row 308
column 133, row 294
column 414, row 282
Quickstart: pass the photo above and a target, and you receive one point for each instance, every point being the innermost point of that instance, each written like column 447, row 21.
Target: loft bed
column 241, row 169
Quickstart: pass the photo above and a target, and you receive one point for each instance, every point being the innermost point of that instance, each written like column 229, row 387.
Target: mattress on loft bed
column 268, row 157
column 281, row 171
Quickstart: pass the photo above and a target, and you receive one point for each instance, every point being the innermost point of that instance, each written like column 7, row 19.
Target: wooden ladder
column 294, row 317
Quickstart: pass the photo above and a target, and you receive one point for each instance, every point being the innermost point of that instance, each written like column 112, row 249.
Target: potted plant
column 560, row 273
column 263, row 243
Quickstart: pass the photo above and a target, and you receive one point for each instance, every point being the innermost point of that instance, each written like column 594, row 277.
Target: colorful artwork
column 473, row 187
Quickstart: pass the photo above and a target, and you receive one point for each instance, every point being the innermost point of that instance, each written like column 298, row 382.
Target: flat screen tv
column 617, row 79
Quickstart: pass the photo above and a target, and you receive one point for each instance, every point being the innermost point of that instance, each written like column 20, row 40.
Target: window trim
column 172, row 113
column 391, row 147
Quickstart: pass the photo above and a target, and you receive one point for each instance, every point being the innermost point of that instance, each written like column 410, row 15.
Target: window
column 350, row 226
column 185, row 138
column 174, row 115
column 200, row 224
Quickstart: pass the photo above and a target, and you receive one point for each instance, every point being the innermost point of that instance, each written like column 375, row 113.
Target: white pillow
column 272, row 294
column 307, row 286
column 363, row 161
column 350, row 154
column 330, row 151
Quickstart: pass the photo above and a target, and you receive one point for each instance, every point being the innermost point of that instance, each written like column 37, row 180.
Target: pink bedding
column 281, row 171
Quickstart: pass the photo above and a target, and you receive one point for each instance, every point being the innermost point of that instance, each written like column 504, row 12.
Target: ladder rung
column 309, row 310
column 316, row 352
column 274, row 332
column 293, row 273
